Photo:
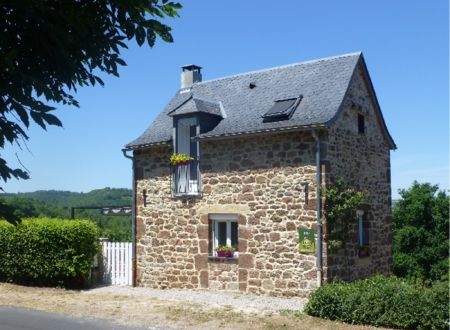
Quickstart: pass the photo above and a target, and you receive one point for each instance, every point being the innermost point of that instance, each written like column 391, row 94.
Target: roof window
column 282, row 109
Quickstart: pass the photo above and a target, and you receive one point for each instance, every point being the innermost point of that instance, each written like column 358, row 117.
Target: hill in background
column 98, row 197
column 57, row 204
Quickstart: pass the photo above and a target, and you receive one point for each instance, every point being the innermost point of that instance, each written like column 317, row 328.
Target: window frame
column 361, row 238
column 364, row 250
column 285, row 112
column 214, row 220
column 191, row 122
column 183, row 131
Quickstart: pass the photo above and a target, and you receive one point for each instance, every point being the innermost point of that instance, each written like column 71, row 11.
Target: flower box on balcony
column 180, row 159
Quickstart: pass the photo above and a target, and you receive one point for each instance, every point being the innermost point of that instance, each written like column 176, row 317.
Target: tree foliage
column 421, row 233
column 56, row 204
column 49, row 48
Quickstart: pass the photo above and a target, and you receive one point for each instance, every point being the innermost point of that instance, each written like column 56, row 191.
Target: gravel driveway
column 246, row 303
column 169, row 309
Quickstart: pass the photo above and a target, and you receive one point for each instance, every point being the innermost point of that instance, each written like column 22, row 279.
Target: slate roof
column 194, row 105
column 322, row 83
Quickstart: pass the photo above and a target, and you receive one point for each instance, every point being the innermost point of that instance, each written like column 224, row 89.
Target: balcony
column 186, row 179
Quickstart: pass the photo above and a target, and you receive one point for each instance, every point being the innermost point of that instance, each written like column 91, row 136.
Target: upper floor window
column 186, row 176
column 361, row 124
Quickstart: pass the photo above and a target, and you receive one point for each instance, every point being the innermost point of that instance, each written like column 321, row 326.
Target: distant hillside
column 57, row 204
column 99, row 197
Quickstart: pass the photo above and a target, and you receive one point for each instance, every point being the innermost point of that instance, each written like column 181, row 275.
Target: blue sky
column 405, row 44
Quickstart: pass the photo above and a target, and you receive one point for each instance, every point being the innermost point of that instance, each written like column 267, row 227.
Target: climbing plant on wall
column 340, row 205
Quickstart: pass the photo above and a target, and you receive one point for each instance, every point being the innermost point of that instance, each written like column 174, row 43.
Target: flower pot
column 182, row 163
column 225, row 254
column 363, row 253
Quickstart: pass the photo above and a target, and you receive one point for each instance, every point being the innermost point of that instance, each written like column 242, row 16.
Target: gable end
column 361, row 65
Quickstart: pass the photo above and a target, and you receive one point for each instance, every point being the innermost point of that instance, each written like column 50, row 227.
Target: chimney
column 190, row 74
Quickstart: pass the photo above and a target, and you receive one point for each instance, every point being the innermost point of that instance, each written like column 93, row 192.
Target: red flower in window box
column 364, row 251
column 224, row 251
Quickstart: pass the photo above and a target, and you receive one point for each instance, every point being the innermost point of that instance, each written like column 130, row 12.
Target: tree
column 48, row 48
column 56, row 204
column 421, row 232
column 8, row 212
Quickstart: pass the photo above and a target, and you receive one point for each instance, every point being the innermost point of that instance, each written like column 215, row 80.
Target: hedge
column 50, row 252
column 383, row 301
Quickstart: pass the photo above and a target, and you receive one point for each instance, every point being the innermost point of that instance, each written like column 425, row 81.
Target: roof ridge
column 359, row 53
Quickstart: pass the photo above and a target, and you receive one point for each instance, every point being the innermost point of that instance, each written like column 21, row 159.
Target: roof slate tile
column 322, row 83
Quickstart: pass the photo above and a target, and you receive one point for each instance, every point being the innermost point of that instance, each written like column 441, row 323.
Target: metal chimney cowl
column 190, row 74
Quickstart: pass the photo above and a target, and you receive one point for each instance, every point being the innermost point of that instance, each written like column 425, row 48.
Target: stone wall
column 260, row 178
column 223, row 274
column 363, row 161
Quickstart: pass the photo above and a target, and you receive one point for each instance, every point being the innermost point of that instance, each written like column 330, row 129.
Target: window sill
column 223, row 259
column 363, row 260
column 187, row 195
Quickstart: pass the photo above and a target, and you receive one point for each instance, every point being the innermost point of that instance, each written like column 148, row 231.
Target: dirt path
column 139, row 310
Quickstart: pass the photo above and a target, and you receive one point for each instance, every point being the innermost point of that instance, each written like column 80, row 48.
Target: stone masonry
column 363, row 161
column 262, row 178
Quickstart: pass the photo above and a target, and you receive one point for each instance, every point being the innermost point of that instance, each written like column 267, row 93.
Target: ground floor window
column 224, row 235
column 363, row 236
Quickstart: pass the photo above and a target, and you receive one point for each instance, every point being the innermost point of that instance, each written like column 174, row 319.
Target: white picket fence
column 117, row 264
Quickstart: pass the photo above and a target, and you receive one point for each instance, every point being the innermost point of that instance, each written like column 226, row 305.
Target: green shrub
column 47, row 251
column 383, row 301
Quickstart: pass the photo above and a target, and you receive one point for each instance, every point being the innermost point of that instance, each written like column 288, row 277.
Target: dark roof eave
column 193, row 113
column 147, row 145
column 205, row 137
column 263, row 131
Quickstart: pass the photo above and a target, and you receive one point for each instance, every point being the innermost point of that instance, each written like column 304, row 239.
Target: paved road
column 12, row 318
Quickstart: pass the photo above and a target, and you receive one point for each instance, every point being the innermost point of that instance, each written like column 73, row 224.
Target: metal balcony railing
column 186, row 179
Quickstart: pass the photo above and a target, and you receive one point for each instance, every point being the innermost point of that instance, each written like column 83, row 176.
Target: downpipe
column 319, row 261
column 133, row 218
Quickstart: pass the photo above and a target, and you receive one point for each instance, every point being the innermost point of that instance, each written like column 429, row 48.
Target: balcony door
column 187, row 175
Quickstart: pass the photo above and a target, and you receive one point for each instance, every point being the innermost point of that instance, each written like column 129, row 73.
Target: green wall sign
column 306, row 240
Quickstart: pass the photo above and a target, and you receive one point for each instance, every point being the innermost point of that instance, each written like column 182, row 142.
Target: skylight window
column 282, row 109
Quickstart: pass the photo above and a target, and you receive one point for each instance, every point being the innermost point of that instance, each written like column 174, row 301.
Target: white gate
column 117, row 263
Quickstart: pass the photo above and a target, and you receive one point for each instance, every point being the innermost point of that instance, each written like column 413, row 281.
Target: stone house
column 262, row 143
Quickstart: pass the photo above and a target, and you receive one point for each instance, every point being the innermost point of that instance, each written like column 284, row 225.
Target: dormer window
column 192, row 117
column 186, row 176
